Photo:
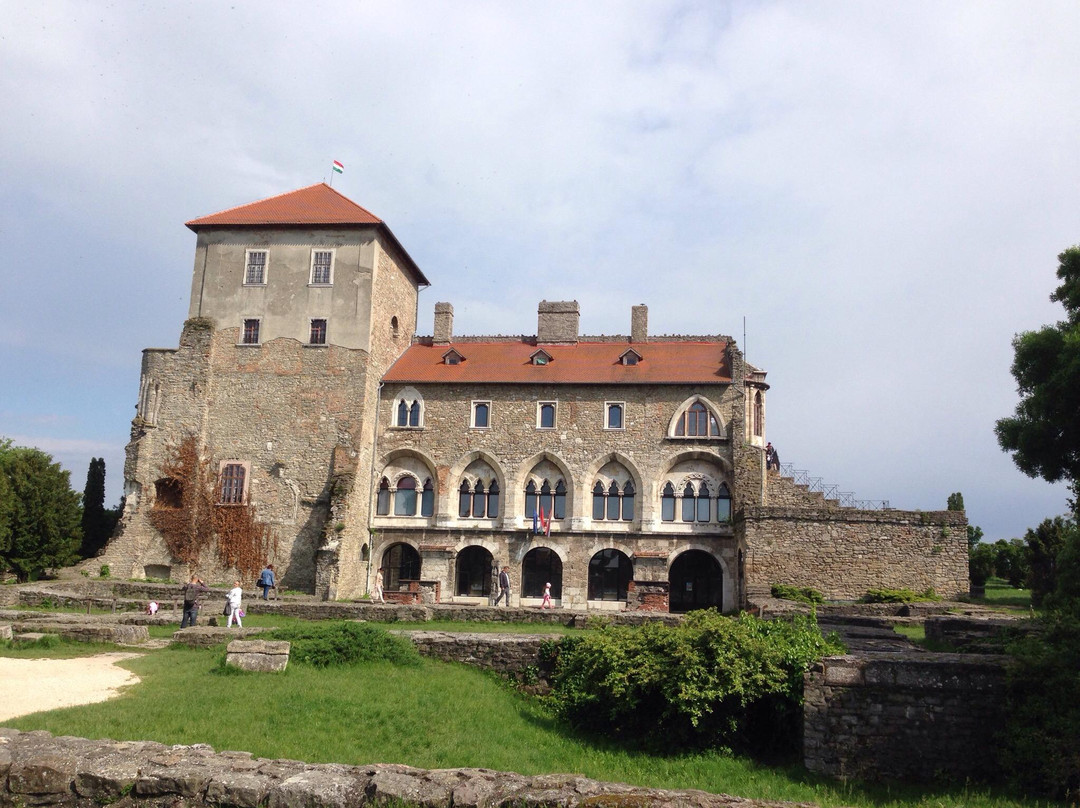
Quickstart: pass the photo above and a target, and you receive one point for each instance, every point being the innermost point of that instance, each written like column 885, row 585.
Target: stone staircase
column 784, row 492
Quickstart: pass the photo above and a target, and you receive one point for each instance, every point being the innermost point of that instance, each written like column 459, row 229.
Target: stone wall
column 39, row 769
column 903, row 716
column 517, row 656
column 844, row 552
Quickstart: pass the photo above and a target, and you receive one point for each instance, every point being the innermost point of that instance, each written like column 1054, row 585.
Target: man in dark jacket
column 193, row 590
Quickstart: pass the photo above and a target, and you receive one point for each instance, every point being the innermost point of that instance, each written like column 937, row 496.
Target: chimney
column 557, row 321
column 639, row 323
column 444, row 324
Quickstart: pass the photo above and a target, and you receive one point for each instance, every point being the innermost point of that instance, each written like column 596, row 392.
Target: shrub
column 712, row 681
column 899, row 596
column 327, row 645
column 980, row 564
column 803, row 594
column 104, row 571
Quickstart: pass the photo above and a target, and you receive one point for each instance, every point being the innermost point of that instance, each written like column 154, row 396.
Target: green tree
column 955, row 502
column 1043, row 545
column 39, row 513
column 1010, row 561
column 1044, row 434
column 95, row 527
column 974, row 533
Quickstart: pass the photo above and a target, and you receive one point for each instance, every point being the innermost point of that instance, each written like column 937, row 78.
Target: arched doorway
column 400, row 563
column 696, row 581
column 609, row 575
column 540, row 566
column 474, row 572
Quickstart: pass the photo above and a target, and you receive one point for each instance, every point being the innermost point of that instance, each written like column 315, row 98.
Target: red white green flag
column 338, row 167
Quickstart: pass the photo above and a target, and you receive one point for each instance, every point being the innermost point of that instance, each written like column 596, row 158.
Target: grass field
column 435, row 715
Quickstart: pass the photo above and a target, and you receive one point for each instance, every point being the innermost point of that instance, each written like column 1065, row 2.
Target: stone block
column 5, row 632
column 258, row 655
column 319, row 788
column 42, row 774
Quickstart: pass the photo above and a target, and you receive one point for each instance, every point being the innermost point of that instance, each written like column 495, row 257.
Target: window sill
column 480, row 428
column 249, row 345
column 320, row 286
column 614, row 428
column 315, row 345
column 407, row 428
column 256, row 285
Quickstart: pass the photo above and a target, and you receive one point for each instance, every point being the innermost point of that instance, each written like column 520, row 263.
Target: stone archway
column 695, row 581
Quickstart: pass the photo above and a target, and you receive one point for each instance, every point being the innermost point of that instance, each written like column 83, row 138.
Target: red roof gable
column 316, row 204
column 581, row 363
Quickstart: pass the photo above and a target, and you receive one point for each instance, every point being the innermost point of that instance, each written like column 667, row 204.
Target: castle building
column 628, row 472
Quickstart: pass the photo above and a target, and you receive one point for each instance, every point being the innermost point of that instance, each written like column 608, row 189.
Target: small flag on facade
column 545, row 522
column 536, row 524
column 338, row 167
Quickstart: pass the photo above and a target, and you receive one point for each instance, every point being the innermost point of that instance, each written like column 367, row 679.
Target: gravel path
column 31, row 685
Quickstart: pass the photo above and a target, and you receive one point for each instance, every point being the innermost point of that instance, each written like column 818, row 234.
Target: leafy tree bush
column 1041, row 739
column 330, row 645
column 802, row 594
column 899, row 596
column 39, row 513
column 712, row 681
column 981, row 563
column 1043, row 544
column 1010, row 561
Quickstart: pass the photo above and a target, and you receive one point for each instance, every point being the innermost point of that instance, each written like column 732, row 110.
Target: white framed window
column 318, row 331
column 322, row 267
column 546, row 412
column 255, row 262
column 614, row 415
column 249, row 332
column 481, row 415
column 408, row 412
column 233, row 482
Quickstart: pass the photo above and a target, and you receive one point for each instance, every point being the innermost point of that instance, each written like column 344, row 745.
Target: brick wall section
column 844, row 552
column 896, row 716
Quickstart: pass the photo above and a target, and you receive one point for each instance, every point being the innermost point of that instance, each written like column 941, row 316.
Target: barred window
column 251, row 332
column 255, row 270
column 322, row 262
column 232, row 484
column 318, row 332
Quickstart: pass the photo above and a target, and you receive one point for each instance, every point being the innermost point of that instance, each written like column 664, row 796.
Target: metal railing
column 846, row 499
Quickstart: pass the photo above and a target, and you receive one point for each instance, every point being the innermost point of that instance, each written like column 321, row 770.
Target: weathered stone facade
column 365, row 446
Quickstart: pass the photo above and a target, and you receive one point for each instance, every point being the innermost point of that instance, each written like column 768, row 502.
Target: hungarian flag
column 545, row 522
column 338, row 167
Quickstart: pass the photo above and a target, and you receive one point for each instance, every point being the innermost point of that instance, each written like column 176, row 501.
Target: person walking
column 267, row 581
column 193, row 590
column 232, row 607
column 378, row 586
column 504, row 586
column 546, row 602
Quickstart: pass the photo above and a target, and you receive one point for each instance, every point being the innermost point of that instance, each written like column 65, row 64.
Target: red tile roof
column 583, row 363
column 316, row 204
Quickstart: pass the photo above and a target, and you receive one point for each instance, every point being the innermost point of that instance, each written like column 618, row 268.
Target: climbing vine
column 190, row 518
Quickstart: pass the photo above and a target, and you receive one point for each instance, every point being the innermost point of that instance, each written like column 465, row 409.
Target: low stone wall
column 38, row 769
column 514, row 655
column 976, row 634
column 903, row 717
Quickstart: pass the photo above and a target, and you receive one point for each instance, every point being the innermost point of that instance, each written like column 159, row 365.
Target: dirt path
column 31, row 685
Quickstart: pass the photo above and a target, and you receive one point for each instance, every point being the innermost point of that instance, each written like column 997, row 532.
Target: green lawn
column 434, row 715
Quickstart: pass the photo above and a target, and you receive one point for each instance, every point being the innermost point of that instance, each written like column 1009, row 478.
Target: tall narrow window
column 614, row 416
column 689, row 504
column 402, row 414
column 628, row 501
column 382, row 504
column 232, row 484
column 414, row 414
column 759, row 414
column 545, row 498
column 322, row 262
column 613, row 501
column 703, row 503
column 530, row 500
column 251, row 332
column 427, row 499
column 318, row 332
column 255, row 270
column 479, row 500
column 464, row 499
column 598, row 500
column 480, row 414
column 547, row 415
column 667, row 503
column 723, row 504
column 560, row 500
column 493, row 500
column 405, row 497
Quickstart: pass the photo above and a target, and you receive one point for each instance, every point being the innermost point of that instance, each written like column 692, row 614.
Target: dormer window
column 540, row 358
column 452, row 357
column 630, row 357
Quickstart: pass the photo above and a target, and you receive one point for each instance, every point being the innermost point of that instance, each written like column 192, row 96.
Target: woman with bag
column 232, row 606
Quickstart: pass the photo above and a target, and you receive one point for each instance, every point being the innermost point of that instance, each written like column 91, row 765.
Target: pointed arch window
column 464, row 499
column 697, row 422
column 560, row 500
column 479, row 500
column 723, row 504
column 667, row 503
column 382, row 503
column 530, row 500
column 405, row 497
column 598, row 501
column 704, row 504
column 759, row 414
column 493, row 500
column 628, row 501
column 613, row 505
column 409, row 413
column 427, row 499
column 689, row 503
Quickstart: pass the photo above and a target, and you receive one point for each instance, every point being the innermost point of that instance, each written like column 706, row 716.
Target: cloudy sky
column 879, row 189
